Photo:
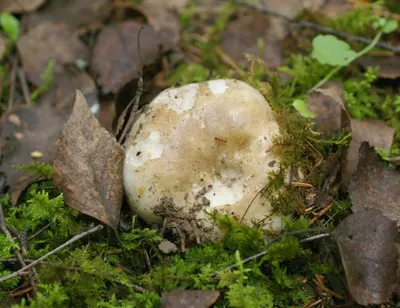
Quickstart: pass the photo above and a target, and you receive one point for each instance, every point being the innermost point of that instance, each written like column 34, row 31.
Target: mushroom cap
column 200, row 147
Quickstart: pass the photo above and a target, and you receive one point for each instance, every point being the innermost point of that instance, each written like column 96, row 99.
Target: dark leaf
column 389, row 67
column 375, row 187
column 21, row 184
column 20, row 6
column 366, row 241
column 115, row 55
column 164, row 16
column 243, row 34
column 328, row 106
column 74, row 13
column 189, row 298
column 88, row 166
column 49, row 41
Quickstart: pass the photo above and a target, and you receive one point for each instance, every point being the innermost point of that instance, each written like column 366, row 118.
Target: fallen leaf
column 164, row 16
column 374, row 186
column 22, row 184
column 242, row 36
column 49, row 41
column 40, row 126
column 327, row 104
column 189, row 298
column 20, row 6
column 88, row 166
column 366, row 241
column 115, row 55
column 74, row 13
column 377, row 133
column 389, row 67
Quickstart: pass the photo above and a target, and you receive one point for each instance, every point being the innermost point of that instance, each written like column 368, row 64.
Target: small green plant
column 10, row 25
column 47, row 77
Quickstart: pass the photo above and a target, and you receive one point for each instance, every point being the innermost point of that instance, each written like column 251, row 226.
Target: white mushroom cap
column 203, row 146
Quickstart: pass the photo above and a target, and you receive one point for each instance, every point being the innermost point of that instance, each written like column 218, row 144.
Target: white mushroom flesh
column 206, row 146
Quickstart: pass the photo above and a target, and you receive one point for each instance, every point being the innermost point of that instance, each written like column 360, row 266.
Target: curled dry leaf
column 115, row 55
column 374, row 186
column 49, row 41
column 74, row 13
column 366, row 241
column 15, row 6
column 88, row 166
column 189, row 298
column 328, row 106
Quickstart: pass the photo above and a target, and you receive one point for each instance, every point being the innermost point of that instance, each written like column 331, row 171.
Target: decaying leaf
column 164, row 16
column 189, row 298
column 20, row 6
column 377, row 133
column 328, row 106
column 72, row 12
column 389, row 67
column 375, row 186
column 366, row 241
column 49, row 41
column 115, row 55
column 88, row 166
column 244, row 35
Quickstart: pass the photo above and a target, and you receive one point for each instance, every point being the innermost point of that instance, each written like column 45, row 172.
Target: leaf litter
column 94, row 186
column 94, row 158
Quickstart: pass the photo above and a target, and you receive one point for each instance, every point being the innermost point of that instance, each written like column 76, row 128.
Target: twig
column 25, row 88
column 279, row 237
column 134, row 103
column 77, row 268
column 17, row 253
column 13, row 77
column 69, row 242
column 40, row 231
column 320, row 28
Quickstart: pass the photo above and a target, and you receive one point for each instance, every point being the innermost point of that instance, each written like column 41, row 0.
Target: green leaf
column 301, row 107
column 390, row 26
column 328, row 49
column 10, row 25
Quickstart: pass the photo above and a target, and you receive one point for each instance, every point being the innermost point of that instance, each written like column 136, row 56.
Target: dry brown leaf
column 88, row 166
column 189, row 298
column 241, row 36
column 115, row 55
column 49, row 41
column 39, row 127
column 327, row 104
column 377, row 133
column 20, row 6
column 389, row 67
column 164, row 16
column 22, row 184
column 374, row 186
column 74, row 13
column 366, row 241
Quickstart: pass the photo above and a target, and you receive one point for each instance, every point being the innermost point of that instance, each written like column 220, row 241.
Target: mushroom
column 198, row 148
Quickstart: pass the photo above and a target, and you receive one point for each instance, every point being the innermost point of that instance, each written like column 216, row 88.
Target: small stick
column 13, row 77
column 320, row 28
column 134, row 103
column 279, row 237
column 69, row 242
column 25, row 88
column 3, row 227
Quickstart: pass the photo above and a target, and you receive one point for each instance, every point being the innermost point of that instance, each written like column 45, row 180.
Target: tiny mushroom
column 198, row 148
